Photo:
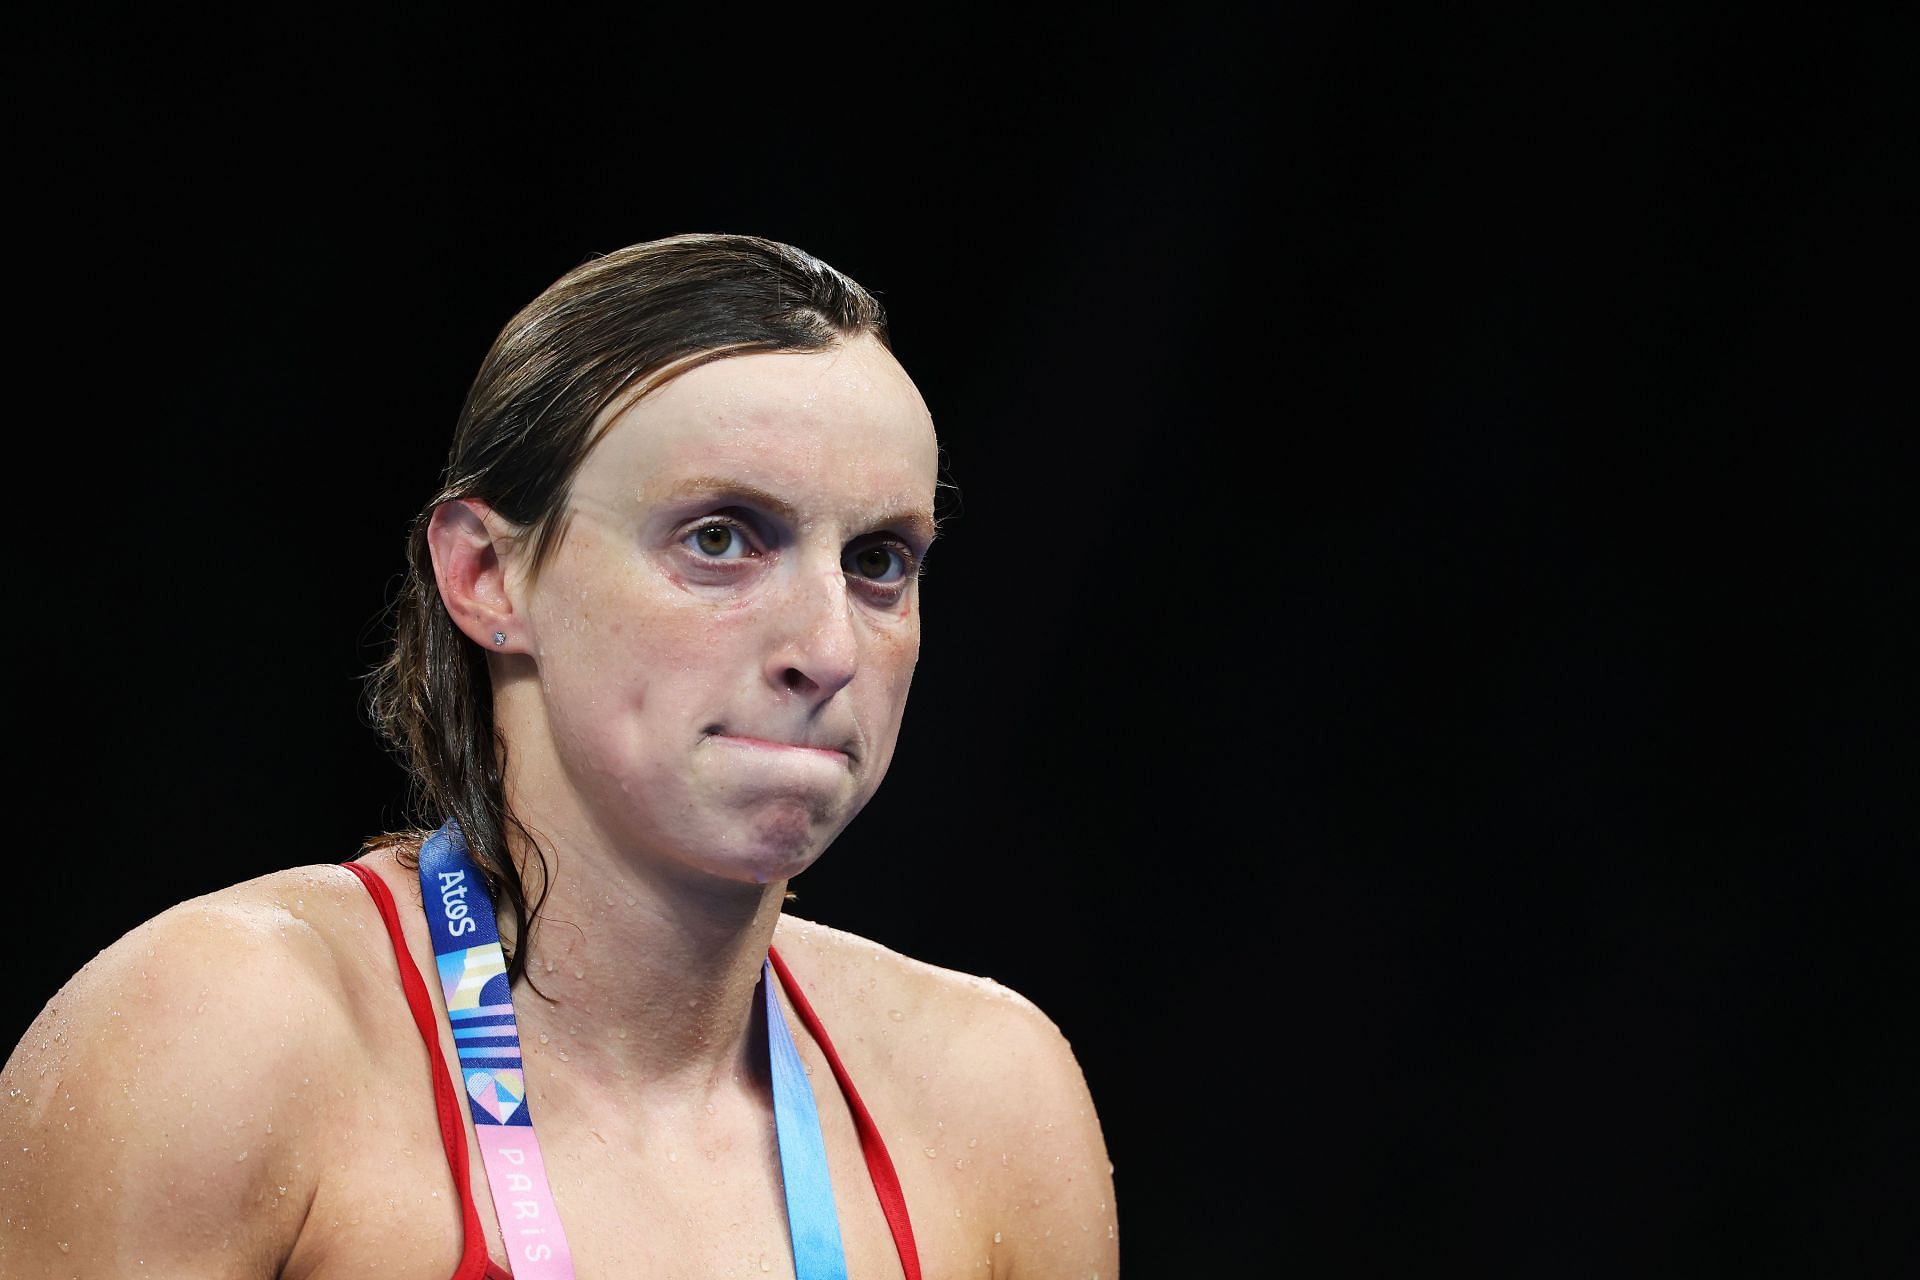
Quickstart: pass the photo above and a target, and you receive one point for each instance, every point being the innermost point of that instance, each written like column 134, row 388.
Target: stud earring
column 499, row 637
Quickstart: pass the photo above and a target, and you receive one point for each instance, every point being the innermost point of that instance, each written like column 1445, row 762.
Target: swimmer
column 651, row 658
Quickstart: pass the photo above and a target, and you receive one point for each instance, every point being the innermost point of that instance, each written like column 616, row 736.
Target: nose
column 817, row 653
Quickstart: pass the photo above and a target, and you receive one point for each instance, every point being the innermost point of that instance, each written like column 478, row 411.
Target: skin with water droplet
column 387, row 1104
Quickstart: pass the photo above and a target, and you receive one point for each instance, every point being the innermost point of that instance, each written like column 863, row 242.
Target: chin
column 781, row 840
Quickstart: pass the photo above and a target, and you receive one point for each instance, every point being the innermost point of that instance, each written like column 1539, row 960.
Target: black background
column 1416, row 683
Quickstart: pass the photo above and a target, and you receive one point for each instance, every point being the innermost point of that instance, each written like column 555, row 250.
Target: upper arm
column 154, row 1120
column 1053, row 1193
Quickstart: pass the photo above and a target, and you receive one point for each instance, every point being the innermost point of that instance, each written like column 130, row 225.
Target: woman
column 651, row 659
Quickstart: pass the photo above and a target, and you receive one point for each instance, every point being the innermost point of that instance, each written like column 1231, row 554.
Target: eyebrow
column 912, row 519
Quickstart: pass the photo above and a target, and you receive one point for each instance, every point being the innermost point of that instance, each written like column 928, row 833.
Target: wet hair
column 605, row 334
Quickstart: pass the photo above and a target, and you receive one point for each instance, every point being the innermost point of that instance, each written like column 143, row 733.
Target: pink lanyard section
column 486, row 1036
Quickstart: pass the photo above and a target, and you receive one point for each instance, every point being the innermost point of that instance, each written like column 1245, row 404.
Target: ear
column 473, row 552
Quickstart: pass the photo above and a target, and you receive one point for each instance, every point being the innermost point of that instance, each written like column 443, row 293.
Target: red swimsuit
column 474, row 1262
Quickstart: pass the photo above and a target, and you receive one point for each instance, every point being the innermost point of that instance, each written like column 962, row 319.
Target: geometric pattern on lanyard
column 473, row 980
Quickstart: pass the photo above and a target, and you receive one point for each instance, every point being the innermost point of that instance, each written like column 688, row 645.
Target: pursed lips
column 773, row 744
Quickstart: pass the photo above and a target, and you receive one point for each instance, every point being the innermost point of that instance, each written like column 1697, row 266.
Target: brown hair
column 621, row 325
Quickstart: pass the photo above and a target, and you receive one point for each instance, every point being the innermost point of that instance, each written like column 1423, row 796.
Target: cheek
column 597, row 614
column 631, row 664
column 892, row 658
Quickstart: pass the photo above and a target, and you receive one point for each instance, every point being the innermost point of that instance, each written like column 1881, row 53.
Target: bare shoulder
column 163, row 1113
column 965, row 1028
column 955, row 1040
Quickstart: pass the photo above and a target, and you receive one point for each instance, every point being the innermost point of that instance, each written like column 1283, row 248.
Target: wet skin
column 699, row 689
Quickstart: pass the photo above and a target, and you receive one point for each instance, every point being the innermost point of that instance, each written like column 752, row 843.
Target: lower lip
column 762, row 744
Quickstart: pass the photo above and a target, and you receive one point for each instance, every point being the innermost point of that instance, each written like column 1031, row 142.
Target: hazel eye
column 718, row 541
column 879, row 563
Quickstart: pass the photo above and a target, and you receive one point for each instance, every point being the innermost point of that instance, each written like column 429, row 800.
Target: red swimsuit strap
column 474, row 1262
column 886, row 1183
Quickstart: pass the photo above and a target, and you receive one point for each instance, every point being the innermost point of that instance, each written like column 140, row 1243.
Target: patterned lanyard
column 473, row 977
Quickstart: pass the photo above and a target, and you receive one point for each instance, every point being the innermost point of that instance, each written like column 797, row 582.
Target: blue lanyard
column 473, row 978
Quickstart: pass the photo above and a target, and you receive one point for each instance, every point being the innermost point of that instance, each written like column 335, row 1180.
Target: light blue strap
column 817, row 1252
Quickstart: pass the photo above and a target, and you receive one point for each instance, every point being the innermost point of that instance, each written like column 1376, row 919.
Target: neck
column 650, row 970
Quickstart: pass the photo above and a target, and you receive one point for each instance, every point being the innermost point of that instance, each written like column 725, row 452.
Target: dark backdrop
column 1414, row 683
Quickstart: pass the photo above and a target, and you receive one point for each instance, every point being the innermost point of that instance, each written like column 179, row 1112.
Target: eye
column 718, row 540
column 881, row 563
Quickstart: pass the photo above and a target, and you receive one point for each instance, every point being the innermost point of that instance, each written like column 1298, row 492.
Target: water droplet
column 973, row 1142
column 996, row 1237
column 931, row 1153
column 543, row 1037
column 64, row 1246
column 896, row 1015
column 709, row 1108
column 765, row 1265
column 242, row 1156
column 579, row 973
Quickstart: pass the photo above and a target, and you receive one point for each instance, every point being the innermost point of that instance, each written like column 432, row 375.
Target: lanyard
column 473, row 977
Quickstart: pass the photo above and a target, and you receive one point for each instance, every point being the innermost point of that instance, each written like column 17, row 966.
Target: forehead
column 840, row 426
